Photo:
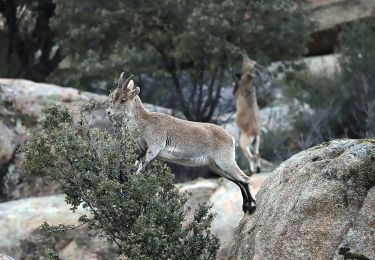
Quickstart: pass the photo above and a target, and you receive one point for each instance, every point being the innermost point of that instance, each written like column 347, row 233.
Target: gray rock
column 319, row 204
column 226, row 201
column 331, row 13
column 8, row 144
column 5, row 257
column 20, row 219
column 19, row 236
column 330, row 16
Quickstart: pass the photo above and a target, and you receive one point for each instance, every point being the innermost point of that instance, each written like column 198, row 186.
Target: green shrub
column 371, row 119
column 358, row 72
column 141, row 213
column 276, row 146
column 343, row 103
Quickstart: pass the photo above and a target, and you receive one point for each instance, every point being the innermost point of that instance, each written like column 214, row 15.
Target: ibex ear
column 134, row 92
column 130, row 85
column 123, row 84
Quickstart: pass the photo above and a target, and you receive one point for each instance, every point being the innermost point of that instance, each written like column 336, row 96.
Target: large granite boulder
column 226, row 200
column 19, row 236
column 20, row 219
column 21, row 102
column 319, row 204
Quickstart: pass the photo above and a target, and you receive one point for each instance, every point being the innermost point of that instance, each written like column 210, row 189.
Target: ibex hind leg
column 245, row 141
column 257, row 156
column 219, row 171
column 235, row 174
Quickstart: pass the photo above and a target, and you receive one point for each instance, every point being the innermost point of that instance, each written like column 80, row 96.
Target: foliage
column 187, row 46
column 371, row 119
column 342, row 104
column 28, row 48
column 358, row 69
column 275, row 146
column 320, row 93
column 141, row 213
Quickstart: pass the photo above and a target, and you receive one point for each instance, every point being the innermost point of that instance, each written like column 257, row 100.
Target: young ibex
column 174, row 140
column 248, row 116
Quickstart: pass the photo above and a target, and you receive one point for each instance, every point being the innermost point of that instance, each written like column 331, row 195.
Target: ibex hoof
column 249, row 207
column 258, row 169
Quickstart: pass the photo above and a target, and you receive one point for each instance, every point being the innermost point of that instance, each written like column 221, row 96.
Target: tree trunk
column 30, row 53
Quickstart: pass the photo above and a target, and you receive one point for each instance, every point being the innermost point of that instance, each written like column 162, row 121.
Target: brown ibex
column 247, row 113
column 174, row 140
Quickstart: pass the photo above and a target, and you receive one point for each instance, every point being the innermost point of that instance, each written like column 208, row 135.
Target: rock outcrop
column 331, row 13
column 331, row 16
column 20, row 219
column 319, row 204
column 19, row 236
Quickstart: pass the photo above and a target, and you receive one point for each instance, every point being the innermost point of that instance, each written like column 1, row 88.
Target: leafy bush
column 275, row 146
column 342, row 104
column 141, row 213
column 371, row 119
column 358, row 73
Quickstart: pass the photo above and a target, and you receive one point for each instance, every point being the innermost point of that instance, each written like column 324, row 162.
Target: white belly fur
column 177, row 156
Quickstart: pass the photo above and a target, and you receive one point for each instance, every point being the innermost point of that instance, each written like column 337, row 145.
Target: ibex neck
column 137, row 111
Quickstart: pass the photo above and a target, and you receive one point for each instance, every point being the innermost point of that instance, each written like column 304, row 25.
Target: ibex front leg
column 151, row 153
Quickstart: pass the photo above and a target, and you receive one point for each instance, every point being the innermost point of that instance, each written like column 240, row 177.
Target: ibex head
column 123, row 96
column 248, row 65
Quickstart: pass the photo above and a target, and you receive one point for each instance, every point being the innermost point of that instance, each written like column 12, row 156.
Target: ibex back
column 174, row 140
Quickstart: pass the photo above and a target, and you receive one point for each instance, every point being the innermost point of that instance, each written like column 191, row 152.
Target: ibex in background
column 179, row 141
column 248, row 116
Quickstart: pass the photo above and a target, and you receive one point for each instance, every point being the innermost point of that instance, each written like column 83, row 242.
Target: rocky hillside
column 319, row 204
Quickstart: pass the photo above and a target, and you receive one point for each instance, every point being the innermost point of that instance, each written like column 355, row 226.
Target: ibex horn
column 120, row 80
column 127, row 81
